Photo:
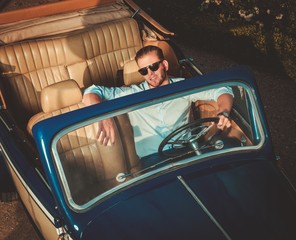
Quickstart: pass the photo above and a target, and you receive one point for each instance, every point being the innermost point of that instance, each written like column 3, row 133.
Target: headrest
column 131, row 74
column 60, row 95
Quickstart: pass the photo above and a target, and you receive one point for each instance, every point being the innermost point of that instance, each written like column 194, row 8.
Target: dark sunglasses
column 153, row 67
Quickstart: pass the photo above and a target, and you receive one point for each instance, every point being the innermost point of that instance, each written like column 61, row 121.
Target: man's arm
column 106, row 132
column 224, row 102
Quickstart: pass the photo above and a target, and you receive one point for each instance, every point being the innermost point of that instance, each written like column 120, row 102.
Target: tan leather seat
column 90, row 56
column 89, row 167
column 131, row 74
column 56, row 99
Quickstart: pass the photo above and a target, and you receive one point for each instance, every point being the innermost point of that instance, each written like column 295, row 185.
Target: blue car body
column 237, row 196
column 228, row 191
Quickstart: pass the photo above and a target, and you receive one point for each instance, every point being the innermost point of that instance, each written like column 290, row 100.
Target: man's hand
column 106, row 132
column 225, row 102
column 224, row 123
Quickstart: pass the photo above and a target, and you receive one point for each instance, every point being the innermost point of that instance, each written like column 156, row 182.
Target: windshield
column 152, row 138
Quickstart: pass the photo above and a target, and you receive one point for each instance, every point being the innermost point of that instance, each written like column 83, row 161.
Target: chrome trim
column 203, row 207
column 6, row 125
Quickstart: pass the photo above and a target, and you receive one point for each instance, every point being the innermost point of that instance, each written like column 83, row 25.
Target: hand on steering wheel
column 187, row 135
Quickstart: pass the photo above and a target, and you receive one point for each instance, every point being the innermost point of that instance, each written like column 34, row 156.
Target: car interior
column 42, row 77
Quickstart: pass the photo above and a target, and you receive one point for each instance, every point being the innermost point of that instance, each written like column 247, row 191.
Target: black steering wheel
column 187, row 135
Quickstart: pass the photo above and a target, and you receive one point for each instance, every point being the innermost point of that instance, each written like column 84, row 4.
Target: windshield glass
column 152, row 138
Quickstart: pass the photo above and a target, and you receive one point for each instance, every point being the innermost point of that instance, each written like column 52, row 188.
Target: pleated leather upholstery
column 91, row 56
column 89, row 167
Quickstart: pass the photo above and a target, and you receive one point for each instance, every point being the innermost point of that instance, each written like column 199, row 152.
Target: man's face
column 154, row 78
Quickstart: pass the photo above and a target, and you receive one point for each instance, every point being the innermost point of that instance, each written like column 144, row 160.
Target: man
column 151, row 125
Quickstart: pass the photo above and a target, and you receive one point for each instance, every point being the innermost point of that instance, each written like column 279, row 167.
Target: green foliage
column 259, row 39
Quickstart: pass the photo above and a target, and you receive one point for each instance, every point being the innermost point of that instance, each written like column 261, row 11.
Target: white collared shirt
column 152, row 124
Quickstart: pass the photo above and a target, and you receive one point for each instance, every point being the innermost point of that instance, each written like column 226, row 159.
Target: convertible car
column 201, row 183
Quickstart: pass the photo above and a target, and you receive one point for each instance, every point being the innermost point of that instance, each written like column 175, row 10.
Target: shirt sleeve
column 108, row 93
column 212, row 94
column 209, row 95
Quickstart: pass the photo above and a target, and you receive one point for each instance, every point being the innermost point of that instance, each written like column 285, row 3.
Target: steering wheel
column 187, row 135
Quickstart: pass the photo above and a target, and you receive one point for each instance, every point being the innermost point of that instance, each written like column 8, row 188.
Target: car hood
column 244, row 201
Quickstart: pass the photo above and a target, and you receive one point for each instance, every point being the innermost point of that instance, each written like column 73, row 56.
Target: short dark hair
column 147, row 49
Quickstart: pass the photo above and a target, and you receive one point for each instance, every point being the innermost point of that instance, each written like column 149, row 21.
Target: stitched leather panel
column 108, row 48
column 85, row 161
column 99, row 52
column 91, row 168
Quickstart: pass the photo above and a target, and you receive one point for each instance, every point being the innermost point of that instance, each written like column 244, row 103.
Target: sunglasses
column 153, row 67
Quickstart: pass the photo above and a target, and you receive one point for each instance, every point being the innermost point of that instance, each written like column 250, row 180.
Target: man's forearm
column 91, row 98
column 225, row 102
column 106, row 132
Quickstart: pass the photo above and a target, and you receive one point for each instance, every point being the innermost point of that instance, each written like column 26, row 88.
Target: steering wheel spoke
column 188, row 135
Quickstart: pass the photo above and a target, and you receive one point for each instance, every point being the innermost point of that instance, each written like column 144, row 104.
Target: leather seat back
column 89, row 56
column 89, row 167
